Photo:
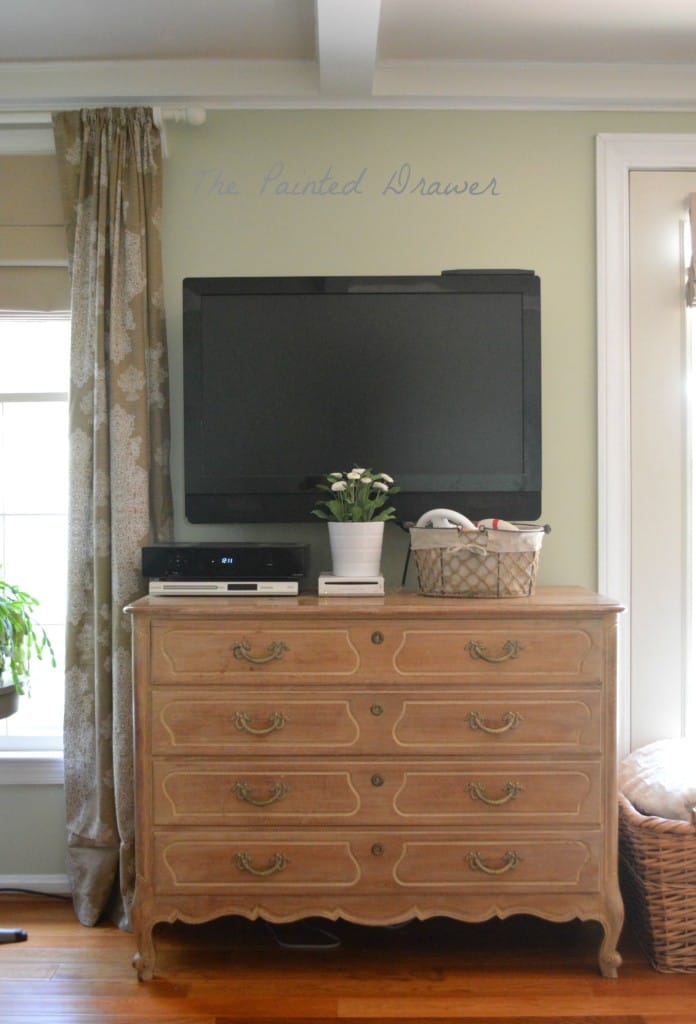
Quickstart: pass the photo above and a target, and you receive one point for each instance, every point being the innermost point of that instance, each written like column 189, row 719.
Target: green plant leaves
column 358, row 496
column 21, row 636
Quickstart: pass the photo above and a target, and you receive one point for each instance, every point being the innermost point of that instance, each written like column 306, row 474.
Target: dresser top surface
column 546, row 602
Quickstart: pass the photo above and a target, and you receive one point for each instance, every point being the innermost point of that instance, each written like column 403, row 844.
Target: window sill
column 31, row 768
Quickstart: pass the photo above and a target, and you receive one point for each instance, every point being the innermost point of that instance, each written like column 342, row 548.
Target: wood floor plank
column 520, row 971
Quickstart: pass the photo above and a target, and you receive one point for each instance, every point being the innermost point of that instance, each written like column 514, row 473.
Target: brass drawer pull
column 242, row 720
column 241, row 650
column 511, row 648
column 377, row 779
column 377, row 710
column 511, row 719
column 510, row 861
column 277, row 863
column 277, row 791
column 477, row 791
column 377, row 637
column 377, row 850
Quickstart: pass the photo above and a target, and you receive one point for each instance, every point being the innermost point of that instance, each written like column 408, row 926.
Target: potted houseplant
column 22, row 638
column 356, row 509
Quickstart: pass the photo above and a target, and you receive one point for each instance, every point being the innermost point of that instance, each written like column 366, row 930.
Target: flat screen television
column 435, row 380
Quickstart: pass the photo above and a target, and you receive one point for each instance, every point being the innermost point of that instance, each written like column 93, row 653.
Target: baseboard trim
column 49, row 885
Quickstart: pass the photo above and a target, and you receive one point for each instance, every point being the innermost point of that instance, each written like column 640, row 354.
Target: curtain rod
column 31, row 131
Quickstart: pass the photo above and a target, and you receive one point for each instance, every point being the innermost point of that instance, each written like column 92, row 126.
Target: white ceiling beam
column 347, row 33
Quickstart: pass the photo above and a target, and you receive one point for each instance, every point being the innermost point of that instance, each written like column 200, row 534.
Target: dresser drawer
column 216, row 722
column 531, row 721
column 374, row 860
column 548, row 652
column 218, row 862
column 213, row 721
column 523, row 793
column 253, row 792
column 552, row 861
column 199, row 652
column 279, row 793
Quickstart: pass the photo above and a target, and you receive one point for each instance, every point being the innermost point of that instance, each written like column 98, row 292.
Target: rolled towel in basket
column 660, row 779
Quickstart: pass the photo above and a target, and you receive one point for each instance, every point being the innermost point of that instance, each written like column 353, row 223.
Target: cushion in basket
column 660, row 779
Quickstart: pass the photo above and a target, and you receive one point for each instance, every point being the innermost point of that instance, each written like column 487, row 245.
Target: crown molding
column 401, row 84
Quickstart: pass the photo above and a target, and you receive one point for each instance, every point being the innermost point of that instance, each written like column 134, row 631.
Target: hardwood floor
column 520, row 971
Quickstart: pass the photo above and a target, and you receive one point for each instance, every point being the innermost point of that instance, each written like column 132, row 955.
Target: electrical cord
column 35, row 892
column 302, row 935
column 8, row 935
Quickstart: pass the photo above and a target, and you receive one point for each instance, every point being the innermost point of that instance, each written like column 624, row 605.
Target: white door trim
column 616, row 157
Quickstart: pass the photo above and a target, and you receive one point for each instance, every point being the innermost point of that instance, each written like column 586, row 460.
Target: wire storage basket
column 485, row 562
column 657, row 858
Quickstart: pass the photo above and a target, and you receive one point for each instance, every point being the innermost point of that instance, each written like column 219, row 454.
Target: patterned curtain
column 120, row 494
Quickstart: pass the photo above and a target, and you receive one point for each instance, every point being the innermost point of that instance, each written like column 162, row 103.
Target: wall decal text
column 277, row 182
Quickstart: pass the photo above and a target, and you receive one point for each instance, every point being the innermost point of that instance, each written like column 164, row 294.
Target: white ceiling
column 602, row 54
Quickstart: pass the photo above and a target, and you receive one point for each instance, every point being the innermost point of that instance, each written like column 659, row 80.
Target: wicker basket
column 477, row 563
column 658, row 879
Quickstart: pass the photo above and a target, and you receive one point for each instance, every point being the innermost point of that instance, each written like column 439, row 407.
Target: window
column 34, row 376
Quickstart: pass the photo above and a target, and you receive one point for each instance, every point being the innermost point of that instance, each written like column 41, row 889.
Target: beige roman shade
column 33, row 252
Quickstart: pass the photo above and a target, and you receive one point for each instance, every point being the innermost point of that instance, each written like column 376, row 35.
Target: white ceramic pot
column 356, row 548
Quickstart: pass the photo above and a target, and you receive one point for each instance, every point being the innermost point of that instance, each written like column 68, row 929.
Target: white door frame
column 616, row 157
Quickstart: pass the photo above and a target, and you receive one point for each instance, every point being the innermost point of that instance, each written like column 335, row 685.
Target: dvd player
column 225, row 561
column 224, row 588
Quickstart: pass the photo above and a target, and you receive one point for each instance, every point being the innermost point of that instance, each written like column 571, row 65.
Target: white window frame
column 29, row 767
column 616, row 157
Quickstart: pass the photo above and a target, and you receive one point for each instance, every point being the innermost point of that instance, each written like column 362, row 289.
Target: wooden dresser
column 376, row 759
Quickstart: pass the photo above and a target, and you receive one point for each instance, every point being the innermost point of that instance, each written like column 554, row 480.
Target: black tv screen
column 435, row 380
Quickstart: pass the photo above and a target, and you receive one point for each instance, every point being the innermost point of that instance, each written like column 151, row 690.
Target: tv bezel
column 520, row 502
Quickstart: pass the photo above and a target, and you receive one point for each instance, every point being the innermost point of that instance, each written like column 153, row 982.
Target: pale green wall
column 221, row 219
column 32, row 838
column 543, row 219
